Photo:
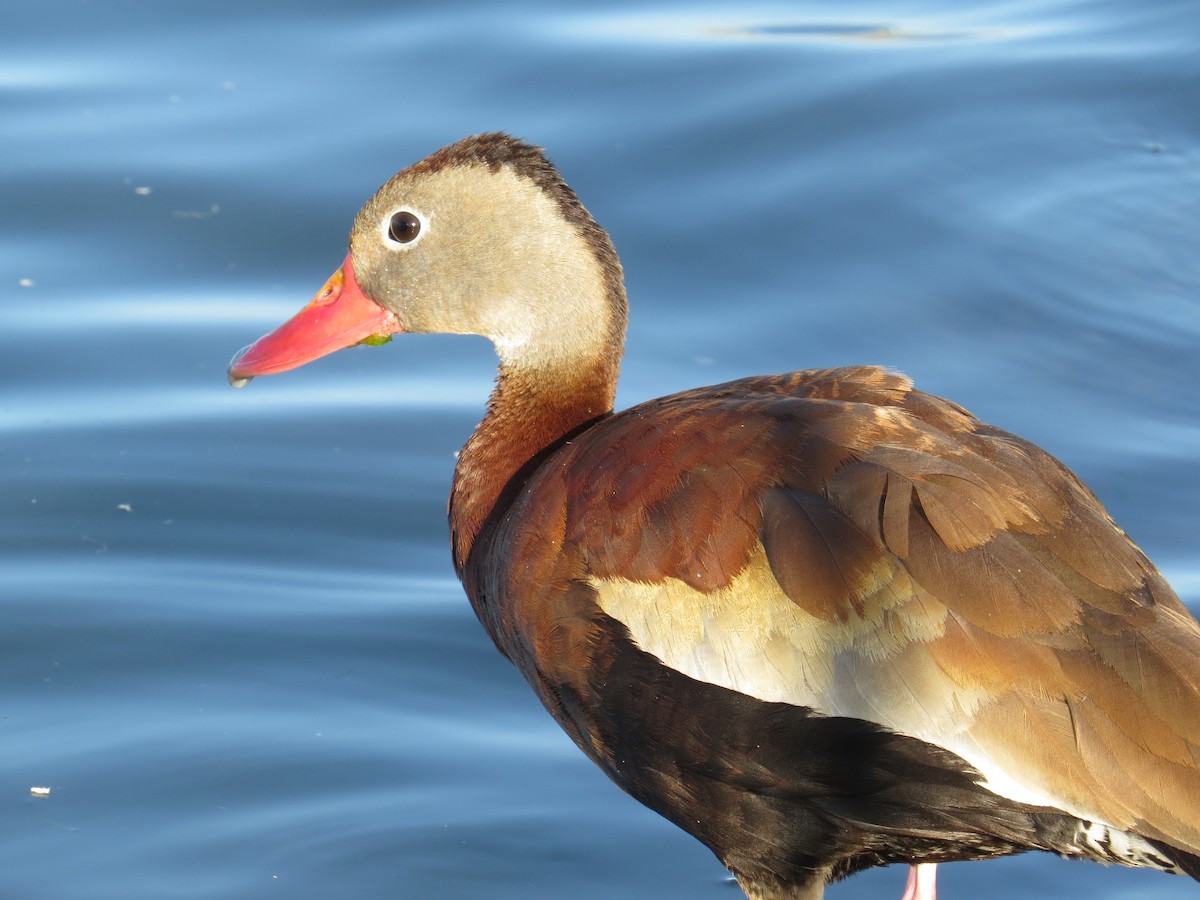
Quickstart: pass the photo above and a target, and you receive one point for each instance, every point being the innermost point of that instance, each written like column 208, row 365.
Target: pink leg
column 922, row 882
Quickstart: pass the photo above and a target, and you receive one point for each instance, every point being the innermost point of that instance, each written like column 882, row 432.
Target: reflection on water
column 957, row 27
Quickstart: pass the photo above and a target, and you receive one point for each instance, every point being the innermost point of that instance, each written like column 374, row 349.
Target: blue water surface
column 233, row 646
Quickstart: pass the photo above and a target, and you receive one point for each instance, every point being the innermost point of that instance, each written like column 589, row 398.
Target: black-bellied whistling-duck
column 820, row 620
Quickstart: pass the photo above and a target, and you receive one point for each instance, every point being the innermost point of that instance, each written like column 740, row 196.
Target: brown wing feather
column 817, row 555
column 1001, row 602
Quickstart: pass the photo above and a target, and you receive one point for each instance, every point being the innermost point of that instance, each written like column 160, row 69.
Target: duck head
column 483, row 237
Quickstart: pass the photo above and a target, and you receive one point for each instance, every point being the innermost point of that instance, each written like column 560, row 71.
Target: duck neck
column 529, row 412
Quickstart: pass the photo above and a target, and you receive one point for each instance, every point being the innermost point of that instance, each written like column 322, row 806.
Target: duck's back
column 824, row 606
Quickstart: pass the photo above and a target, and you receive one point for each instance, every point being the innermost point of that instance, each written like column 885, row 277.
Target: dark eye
column 404, row 227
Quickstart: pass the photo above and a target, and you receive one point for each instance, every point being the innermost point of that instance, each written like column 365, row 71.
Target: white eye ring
column 404, row 228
